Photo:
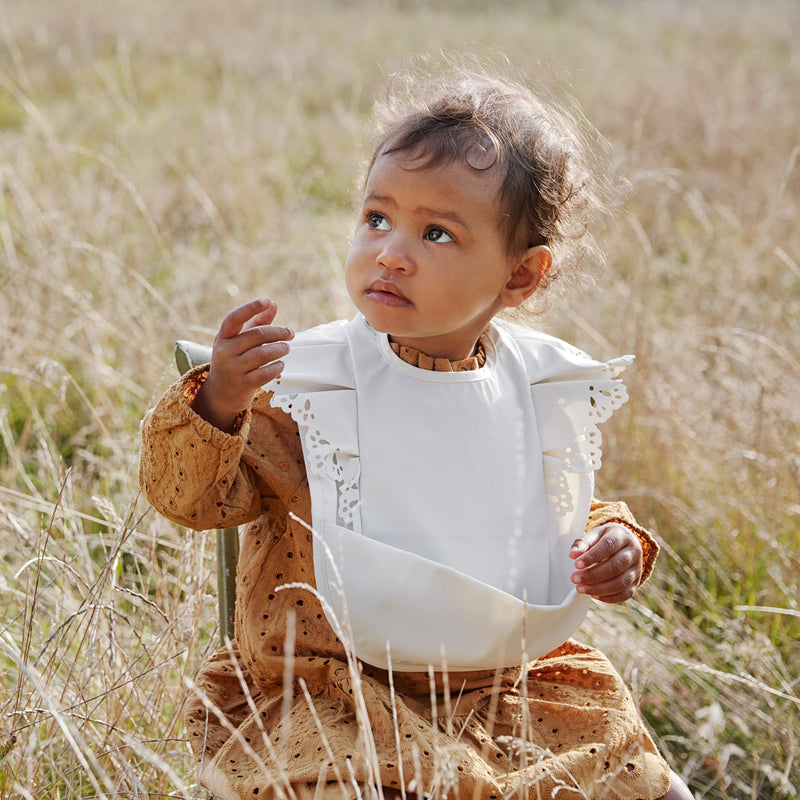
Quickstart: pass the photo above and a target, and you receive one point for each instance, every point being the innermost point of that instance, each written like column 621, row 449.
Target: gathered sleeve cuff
column 192, row 472
column 602, row 513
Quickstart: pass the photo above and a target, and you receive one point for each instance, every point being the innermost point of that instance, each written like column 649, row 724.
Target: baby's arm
column 199, row 475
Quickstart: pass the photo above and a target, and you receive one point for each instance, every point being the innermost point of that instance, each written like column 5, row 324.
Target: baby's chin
column 376, row 316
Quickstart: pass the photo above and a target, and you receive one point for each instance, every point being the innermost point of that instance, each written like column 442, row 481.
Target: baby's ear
column 531, row 268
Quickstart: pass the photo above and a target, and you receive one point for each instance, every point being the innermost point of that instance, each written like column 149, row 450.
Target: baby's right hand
column 245, row 357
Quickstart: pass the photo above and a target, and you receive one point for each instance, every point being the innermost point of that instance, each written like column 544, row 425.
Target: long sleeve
column 602, row 513
column 202, row 477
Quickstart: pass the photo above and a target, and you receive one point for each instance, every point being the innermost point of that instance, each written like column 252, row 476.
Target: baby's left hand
column 608, row 562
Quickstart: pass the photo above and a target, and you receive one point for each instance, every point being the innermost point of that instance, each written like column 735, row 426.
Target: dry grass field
column 161, row 162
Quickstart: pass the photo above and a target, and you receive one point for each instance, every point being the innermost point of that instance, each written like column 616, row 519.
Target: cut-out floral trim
column 323, row 458
column 557, row 488
column 584, row 454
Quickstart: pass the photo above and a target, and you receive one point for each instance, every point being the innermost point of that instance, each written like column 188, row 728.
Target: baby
column 422, row 538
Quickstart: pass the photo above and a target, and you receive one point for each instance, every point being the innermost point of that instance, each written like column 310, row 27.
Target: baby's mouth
column 386, row 293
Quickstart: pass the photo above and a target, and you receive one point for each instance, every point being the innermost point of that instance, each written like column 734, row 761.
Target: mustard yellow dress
column 319, row 724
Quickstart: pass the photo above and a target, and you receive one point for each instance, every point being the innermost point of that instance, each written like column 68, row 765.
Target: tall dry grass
column 161, row 162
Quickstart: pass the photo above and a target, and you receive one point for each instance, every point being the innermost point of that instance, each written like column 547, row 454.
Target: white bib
column 444, row 504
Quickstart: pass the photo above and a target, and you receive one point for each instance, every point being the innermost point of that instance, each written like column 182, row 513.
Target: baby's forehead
column 478, row 166
column 432, row 184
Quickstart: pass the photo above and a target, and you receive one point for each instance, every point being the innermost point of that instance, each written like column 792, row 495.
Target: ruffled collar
column 416, row 358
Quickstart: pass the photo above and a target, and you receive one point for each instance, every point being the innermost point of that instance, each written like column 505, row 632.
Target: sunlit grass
column 162, row 162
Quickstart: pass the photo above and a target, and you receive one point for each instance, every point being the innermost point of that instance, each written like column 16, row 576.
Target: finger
column 261, row 355
column 619, row 564
column 616, row 591
column 610, row 539
column 620, row 597
column 616, row 583
column 584, row 542
column 264, row 317
column 267, row 372
column 263, row 334
column 248, row 344
column 260, row 375
column 236, row 319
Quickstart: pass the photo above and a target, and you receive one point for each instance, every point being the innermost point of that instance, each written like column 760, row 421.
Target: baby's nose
column 396, row 254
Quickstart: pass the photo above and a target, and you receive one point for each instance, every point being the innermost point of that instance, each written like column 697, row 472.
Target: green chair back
column 189, row 355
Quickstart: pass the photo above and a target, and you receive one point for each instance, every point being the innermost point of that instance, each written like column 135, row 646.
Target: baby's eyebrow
column 379, row 198
column 441, row 214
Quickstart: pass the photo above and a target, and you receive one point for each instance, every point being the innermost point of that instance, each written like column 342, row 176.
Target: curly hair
column 552, row 185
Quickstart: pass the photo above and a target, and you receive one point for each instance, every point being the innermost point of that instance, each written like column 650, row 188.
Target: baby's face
column 429, row 262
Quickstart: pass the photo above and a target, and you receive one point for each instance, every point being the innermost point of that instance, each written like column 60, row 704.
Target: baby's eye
column 378, row 222
column 438, row 235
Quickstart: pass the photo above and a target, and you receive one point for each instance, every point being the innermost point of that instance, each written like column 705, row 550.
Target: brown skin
column 429, row 262
column 245, row 356
column 608, row 563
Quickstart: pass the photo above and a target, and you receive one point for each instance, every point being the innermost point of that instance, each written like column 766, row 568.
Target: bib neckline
column 431, row 376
